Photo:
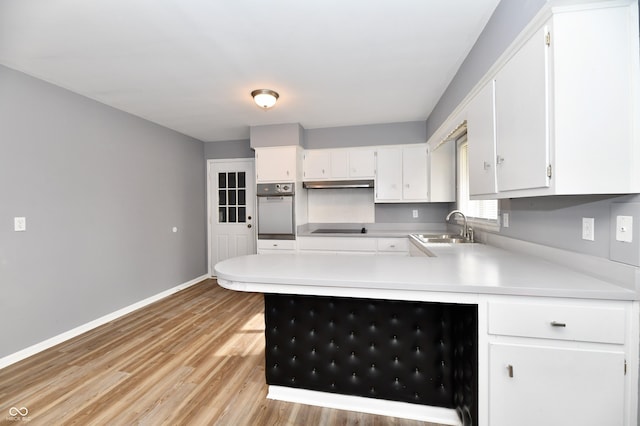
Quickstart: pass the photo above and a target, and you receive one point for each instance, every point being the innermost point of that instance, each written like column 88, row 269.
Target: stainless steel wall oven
column 276, row 211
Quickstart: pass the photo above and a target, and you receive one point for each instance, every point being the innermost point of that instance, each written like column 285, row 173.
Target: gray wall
column 403, row 213
column 509, row 18
column 101, row 190
column 373, row 134
column 557, row 221
column 228, row 149
column 276, row 135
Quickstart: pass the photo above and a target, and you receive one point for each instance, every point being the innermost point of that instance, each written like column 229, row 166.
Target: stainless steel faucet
column 465, row 228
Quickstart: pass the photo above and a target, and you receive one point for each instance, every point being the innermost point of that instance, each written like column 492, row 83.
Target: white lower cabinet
column 546, row 385
column 276, row 246
column 393, row 246
column 353, row 245
column 559, row 362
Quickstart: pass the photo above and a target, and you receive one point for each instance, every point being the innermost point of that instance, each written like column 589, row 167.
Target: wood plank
column 195, row 357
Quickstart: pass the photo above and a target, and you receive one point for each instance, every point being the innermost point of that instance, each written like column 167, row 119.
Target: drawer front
column 277, row 244
column 586, row 323
column 338, row 243
column 393, row 244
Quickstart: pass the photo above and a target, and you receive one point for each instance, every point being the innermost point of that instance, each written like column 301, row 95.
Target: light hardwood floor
column 193, row 358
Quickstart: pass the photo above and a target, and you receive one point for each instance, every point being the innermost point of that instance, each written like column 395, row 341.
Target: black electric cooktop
column 339, row 231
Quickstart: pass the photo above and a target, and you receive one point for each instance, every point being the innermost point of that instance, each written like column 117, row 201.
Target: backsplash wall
column 557, row 221
column 403, row 213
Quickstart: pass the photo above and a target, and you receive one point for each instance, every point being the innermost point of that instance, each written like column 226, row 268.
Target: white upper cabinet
column 415, row 180
column 317, row 164
column 388, row 186
column 561, row 117
column 481, row 134
column 341, row 163
column 522, row 113
column 362, row 163
column 276, row 164
column 402, row 174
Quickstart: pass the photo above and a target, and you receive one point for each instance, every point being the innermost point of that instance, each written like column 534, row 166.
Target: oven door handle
column 275, row 198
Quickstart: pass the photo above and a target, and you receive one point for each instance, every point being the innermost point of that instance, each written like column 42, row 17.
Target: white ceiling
column 190, row 64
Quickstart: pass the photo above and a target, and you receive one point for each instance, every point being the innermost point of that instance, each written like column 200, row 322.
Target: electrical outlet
column 415, row 213
column 505, row 220
column 624, row 229
column 588, row 229
column 624, row 241
column 19, row 223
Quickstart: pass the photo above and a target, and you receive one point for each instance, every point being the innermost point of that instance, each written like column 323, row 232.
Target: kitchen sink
column 441, row 238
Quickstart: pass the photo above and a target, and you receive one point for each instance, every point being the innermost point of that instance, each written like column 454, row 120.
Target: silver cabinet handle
column 486, row 165
column 510, row 370
column 558, row 324
column 499, row 160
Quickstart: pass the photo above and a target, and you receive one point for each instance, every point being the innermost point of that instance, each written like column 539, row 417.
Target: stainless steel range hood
column 334, row 184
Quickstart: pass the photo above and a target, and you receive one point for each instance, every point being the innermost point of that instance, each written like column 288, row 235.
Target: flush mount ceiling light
column 265, row 98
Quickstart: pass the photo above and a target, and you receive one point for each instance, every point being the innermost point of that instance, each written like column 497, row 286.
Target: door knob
column 249, row 226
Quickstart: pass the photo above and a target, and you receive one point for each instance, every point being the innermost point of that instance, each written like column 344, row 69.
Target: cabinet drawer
column 338, row 244
column 277, row 244
column 393, row 244
column 586, row 323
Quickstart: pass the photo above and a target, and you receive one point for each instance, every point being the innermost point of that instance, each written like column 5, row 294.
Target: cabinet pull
column 510, row 370
column 499, row 160
column 558, row 324
column 487, row 166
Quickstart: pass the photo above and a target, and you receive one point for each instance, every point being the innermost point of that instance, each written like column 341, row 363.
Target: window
column 232, row 197
column 478, row 211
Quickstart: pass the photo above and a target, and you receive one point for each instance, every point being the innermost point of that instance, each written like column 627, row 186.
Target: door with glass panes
column 231, row 209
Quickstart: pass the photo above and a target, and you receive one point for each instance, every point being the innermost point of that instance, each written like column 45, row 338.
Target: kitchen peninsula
column 502, row 333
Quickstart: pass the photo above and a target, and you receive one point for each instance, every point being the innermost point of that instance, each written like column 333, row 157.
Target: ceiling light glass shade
column 265, row 98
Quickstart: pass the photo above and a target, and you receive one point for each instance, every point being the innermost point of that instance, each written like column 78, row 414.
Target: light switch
column 415, row 214
column 19, row 223
column 588, row 228
column 624, row 228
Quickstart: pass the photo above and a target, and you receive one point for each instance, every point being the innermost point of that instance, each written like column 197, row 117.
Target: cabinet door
column 389, row 174
column 415, row 185
column 317, row 164
column 535, row 385
column 276, row 164
column 362, row 163
column 339, row 163
column 482, row 142
column 522, row 131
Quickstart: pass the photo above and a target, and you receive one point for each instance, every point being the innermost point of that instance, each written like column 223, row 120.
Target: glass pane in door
column 232, row 199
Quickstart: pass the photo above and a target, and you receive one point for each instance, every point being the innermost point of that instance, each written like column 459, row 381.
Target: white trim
column 60, row 338
column 379, row 407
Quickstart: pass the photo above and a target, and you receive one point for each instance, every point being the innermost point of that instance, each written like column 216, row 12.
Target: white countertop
column 460, row 269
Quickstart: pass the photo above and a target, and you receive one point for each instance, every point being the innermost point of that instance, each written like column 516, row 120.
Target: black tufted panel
column 465, row 362
column 415, row 352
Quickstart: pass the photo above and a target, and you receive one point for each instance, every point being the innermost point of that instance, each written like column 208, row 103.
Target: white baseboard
column 46, row 344
column 380, row 407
